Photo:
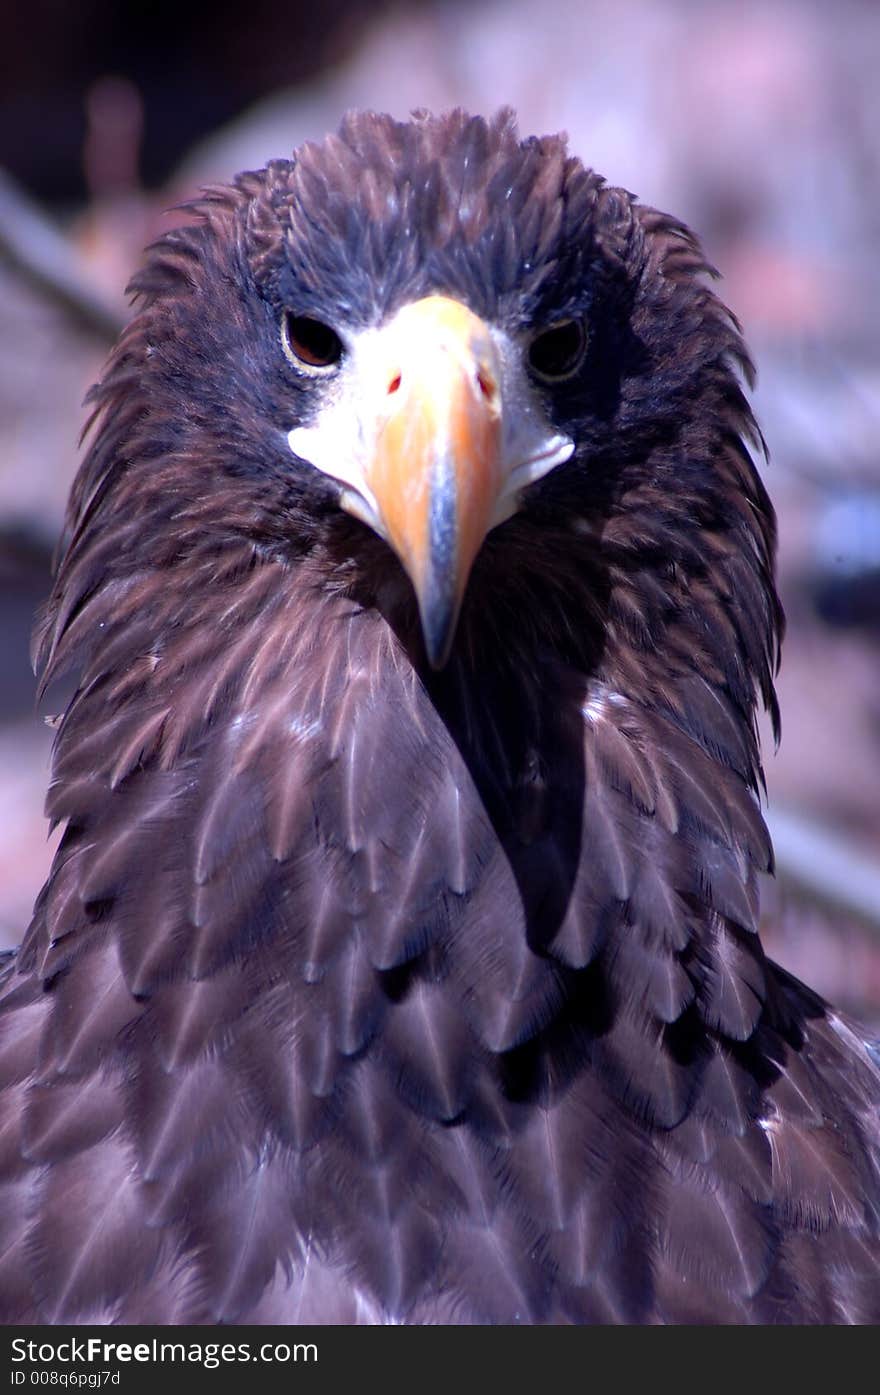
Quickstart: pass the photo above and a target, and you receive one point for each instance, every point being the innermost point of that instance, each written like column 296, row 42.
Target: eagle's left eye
column 311, row 346
column 558, row 352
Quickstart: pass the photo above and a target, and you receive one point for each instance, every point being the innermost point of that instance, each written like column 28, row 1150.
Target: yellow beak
column 435, row 470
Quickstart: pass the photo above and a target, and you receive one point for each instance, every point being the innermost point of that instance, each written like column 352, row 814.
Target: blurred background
column 757, row 121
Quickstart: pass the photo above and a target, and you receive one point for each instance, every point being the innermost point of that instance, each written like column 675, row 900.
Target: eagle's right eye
column 311, row 346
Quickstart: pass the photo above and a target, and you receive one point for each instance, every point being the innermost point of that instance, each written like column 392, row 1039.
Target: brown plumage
column 399, row 958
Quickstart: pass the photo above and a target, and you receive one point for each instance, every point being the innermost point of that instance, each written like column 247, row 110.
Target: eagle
column 399, row 959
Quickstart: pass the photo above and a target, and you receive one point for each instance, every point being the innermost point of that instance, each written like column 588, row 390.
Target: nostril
column 487, row 386
column 394, row 385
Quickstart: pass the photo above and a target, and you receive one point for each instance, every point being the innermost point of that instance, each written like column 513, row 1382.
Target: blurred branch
column 31, row 244
column 823, row 864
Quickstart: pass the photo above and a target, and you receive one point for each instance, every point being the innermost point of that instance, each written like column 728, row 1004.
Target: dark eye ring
column 558, row 352
column 311, row 346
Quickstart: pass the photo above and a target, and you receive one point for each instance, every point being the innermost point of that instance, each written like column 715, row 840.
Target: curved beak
column 435, row 471
column 432, row 464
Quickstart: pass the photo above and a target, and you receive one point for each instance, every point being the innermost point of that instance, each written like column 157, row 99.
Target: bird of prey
column 399, row 961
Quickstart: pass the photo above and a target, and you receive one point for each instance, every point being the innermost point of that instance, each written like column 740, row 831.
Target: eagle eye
column 311, row 346
column 556, row 353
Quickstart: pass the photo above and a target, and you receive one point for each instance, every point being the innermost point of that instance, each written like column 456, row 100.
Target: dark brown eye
column 558, row 352
column 311, row 346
